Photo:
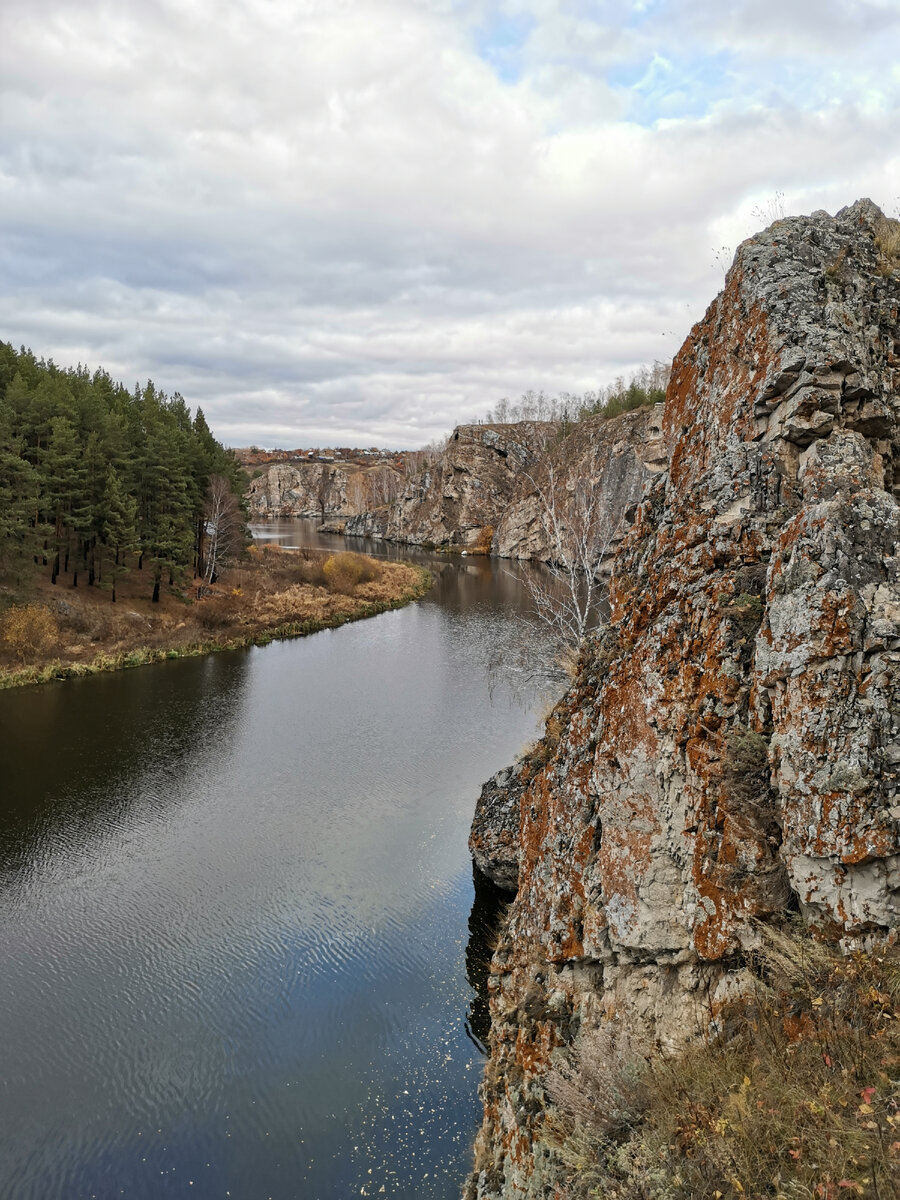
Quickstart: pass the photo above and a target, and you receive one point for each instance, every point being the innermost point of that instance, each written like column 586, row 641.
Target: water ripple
column 233, row 915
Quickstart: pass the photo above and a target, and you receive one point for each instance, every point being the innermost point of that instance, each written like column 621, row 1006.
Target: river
column 237, row 922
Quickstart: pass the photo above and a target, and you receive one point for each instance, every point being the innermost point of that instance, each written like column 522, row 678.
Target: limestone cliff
column 460, row 500
column 480, row 494
column 730, row 747
column 302, row 490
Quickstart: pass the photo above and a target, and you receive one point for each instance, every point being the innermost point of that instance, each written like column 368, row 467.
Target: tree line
column 646, row 386
column 97, row 480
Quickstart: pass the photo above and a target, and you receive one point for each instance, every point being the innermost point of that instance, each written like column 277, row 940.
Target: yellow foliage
column 28, row 630
column 343, row 572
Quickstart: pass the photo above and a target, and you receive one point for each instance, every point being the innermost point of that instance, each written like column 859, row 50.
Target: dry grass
column 887, row 242
column 28, row 630
column 802, row 1101
column 345, row 572
column 276, row 593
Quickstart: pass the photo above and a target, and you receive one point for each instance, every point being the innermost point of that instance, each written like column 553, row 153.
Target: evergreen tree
column 91, row 472
column 19, row 487
column 63, row 482
column 118, row 533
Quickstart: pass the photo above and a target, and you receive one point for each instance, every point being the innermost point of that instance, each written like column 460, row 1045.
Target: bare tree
column 224, row 524
column 384, row 485
column 413, row 463
column 569, row 594
column 416, row 462
column 435, row 449
column 324, row 489
column 645, row 385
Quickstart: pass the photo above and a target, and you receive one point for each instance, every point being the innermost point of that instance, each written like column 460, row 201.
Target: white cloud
column 367, row 220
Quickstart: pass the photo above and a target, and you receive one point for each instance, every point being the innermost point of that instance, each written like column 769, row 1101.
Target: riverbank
column 49, row 633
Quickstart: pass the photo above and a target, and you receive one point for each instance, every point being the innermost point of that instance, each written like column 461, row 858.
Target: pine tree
column 64, row 475
column 119, row 533
column 91, row 472
column 18, row 492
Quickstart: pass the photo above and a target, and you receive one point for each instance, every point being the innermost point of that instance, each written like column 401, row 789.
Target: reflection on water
column 137, row 729
column 235, row 905
column 488, row 909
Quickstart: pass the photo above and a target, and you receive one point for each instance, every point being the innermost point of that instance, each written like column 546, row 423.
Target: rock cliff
column 618, row 456
column 730, row 747
column 301, row 490
column 480, row 494
column 461, row 499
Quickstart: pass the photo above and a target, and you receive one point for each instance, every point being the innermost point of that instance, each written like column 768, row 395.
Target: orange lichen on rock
column 733, row 737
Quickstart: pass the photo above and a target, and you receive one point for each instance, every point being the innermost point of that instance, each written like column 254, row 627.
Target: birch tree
column 569, row 593
column 224, row 524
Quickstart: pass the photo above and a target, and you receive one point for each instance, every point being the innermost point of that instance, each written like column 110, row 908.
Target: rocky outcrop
column 494, row 837
column 367, row 524
column 481, row 494
column 617, row 456
column 460, row 499
column 730, row 748
column 301, row 490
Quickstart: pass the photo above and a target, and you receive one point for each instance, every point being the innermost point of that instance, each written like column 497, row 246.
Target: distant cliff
column 321, row 489
column 481, row 493
column 730, row 747
column 301, row 490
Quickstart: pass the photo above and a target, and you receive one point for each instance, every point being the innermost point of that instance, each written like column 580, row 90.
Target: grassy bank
column 798, row 1097
column 58, row 633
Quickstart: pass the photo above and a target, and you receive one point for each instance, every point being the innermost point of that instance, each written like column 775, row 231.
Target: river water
column 238, row 931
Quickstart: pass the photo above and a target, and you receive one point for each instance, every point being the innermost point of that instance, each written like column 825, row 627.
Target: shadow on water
column 488, row 912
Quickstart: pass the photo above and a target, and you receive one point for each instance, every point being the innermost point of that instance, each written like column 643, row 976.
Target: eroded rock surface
column 731, row 745
column 460, row 500
column 301, row 490
column 617, row 456
column 481, row 494
column 494, row 837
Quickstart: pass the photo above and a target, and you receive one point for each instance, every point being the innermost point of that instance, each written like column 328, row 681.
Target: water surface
column 235, row 908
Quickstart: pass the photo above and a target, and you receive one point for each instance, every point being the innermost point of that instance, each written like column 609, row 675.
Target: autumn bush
column 344, row 572
column 802, row 1099
column 483, row 543
column 28, row 630
column 218, row 611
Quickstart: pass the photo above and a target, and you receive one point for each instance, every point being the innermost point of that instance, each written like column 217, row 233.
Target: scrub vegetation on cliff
column 799, row 1095
column 646, row 386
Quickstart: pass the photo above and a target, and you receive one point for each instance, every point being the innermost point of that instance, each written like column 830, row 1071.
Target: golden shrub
column 28, row 630
column 342, row 572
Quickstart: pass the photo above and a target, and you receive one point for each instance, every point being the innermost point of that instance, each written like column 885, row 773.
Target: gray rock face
column 481, row 495
column 460, row 500
column 367, row 524
column 494, row 839
column 286, row 490
column 618, row 456
column 731, row 745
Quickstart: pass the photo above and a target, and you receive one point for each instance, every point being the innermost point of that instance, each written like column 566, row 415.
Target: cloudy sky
column 362, row 221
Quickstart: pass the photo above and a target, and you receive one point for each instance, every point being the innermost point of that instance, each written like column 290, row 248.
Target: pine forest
column 97, row 481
